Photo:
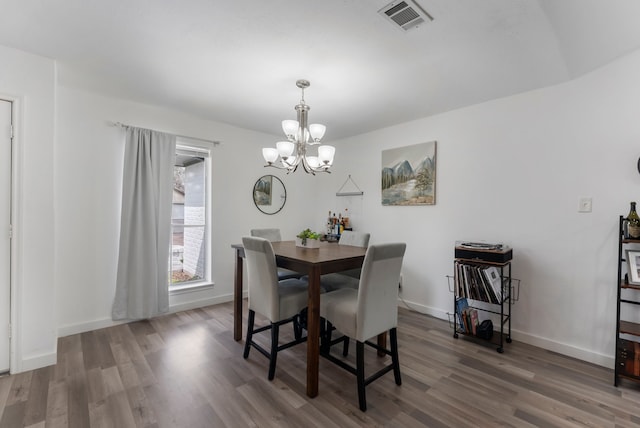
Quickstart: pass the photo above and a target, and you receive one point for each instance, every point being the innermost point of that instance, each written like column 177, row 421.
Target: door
column 5, row 237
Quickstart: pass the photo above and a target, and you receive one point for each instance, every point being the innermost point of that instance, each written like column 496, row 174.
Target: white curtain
column 145, row 229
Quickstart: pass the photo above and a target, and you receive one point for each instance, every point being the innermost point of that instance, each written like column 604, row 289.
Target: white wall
column 510, row 170
column 513, row 170
column 29, row 80
column 88, row 184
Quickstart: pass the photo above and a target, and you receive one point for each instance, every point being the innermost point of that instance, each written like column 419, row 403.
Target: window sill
column 189, row 288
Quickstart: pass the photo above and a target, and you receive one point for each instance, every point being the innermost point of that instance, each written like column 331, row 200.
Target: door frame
column 14, row 266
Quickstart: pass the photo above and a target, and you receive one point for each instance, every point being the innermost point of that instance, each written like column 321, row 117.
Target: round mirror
column 269, row 194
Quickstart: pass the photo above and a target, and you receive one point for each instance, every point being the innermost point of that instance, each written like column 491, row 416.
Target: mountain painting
column 409, row 175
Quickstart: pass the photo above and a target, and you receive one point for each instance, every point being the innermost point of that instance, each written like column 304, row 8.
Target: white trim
column 190, row 287
column 204, row 148
column 70, row 329
column 561, row 348
column 39, row 361
column 201, row 304
column 15, row 351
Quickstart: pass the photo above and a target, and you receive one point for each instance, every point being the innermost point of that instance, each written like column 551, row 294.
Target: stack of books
column 467, row 317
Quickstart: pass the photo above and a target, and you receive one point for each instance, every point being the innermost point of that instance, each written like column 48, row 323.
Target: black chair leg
column 326, row 328
column 275, row 329
column 362, row 399
column 297, row 327
column 393, row 336
column 345, row 347
column 324, row 345
column 247, row 343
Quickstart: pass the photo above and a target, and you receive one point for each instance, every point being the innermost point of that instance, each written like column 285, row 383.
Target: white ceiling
column 237, row 61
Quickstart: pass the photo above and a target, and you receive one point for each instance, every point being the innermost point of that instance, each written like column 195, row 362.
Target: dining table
column 328, row 258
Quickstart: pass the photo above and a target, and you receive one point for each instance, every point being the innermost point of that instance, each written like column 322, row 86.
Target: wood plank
column 78, row 405
column 36, row 408
column 5, row 388
column 19, row 388
column 13, row 415
column 141, row 409
column 57, row 404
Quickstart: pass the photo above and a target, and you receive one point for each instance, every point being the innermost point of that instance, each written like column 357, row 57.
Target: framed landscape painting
column 409, row 175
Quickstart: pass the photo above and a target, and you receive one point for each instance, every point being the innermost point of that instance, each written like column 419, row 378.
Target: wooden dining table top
column 329, row 256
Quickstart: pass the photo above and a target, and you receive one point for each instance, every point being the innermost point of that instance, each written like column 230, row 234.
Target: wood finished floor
column 185, row 370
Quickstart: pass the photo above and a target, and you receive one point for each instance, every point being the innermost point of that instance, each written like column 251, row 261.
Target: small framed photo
column 633, row 260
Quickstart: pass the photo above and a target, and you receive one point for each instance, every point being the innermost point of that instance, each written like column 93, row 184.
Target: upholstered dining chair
column 274, row 235
column 366, row 312
column 356, row 239
column 348, row 278
column 280, row 301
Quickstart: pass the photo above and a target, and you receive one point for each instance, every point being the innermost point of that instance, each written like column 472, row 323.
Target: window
column 190, row 219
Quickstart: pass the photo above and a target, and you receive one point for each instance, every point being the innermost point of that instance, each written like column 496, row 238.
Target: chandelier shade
column 293, row 152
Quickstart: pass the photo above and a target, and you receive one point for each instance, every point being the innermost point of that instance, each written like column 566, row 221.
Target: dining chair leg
column 247, row 343
column 393, row 336
column 297, row 327
column 275, row 329
column 345, row 347
column 326, row 337
column 324, row 347
column 362, row 399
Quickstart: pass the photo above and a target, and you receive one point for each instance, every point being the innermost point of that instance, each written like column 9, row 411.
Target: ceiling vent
column 405, row 14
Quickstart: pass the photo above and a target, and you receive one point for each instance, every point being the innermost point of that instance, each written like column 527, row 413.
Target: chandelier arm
column 312, row 170
column 271, row 165
column 307, row 168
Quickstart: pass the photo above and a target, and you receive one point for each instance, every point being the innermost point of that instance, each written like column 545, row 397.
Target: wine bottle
column 633, row 222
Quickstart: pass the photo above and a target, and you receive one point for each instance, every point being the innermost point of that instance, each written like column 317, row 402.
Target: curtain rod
column 123, row 125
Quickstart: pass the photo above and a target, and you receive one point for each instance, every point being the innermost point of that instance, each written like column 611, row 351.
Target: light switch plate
column 585, row 205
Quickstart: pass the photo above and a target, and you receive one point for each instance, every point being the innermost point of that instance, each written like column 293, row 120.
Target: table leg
column 313, row 332
column 237, row 298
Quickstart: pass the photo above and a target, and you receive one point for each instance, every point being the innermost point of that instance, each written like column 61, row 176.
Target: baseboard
column 37, row 362
column 200, row 303
column 607, row 361
column 68, row 330
column 417, row 307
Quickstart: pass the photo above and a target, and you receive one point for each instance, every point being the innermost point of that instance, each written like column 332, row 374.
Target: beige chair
column 348, row 278
column 356, row 239
column 366, row 312
column 274, row 235
column 278, row 301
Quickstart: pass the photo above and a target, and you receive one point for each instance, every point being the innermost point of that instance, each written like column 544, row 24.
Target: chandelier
column 300, row 137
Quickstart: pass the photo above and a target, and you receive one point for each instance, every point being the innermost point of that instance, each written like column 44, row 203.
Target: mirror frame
column 283, row 196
